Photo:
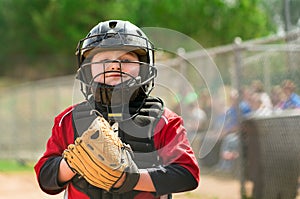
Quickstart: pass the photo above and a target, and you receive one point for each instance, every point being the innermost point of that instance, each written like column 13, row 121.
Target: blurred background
column 255, row 45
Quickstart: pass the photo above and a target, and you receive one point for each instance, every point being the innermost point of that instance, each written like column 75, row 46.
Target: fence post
column 237, row 48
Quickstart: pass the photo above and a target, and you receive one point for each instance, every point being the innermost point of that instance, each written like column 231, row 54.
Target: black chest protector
column 137, row 131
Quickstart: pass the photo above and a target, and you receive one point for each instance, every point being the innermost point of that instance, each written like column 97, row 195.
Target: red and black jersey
column 177, row 172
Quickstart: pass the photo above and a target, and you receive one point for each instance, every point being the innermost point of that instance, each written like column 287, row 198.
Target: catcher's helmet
column 116, row 35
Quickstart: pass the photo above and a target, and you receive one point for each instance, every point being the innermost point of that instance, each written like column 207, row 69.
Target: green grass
column 15, row 166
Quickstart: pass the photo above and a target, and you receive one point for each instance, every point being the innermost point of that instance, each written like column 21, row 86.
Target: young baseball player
column 117, row 72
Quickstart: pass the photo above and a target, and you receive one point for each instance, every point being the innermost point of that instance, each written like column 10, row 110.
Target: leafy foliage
column 39, row 38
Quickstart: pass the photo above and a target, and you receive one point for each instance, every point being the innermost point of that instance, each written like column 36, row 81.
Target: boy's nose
column 114, row 66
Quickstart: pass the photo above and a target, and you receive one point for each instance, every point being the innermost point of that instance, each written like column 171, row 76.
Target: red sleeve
column 62, row 136
column 180, row 171
column 173, row 144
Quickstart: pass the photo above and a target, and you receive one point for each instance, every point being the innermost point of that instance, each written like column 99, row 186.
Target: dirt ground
column 24, row 185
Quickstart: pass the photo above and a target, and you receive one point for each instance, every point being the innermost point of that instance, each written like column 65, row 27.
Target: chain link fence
column 27, row 114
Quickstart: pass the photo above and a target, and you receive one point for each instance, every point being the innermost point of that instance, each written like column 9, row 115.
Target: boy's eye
column 125, row 60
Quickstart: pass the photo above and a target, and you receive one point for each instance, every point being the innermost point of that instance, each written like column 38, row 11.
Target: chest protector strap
column 139, row 132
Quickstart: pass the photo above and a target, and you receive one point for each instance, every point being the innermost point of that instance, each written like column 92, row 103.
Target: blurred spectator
column 232, row 113
column 229, row 151
column 245, row 104
column 190, row 109
column 195, row 121
column 278, row 97
column 258, row 88
column 292, row 99
column 258, row 107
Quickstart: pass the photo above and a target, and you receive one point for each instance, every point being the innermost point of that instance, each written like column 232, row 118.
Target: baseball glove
column 101, row 158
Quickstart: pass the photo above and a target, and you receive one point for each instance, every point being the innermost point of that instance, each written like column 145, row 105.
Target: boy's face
column 112, row 75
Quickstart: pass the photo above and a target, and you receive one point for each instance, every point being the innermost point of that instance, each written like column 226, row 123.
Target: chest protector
column 138, row 132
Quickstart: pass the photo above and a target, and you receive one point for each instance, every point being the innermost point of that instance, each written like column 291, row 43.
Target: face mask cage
column 136, row 43
column 115, row 98
column 86, row 70
column 84, row 74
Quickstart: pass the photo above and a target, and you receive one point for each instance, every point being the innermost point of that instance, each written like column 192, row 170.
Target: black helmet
column 116, row 35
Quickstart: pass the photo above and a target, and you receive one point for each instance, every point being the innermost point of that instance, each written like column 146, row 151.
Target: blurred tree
column 212, row 23
column 45, row 33
column 41, row 36
column 283, row 13
column 17, row 31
